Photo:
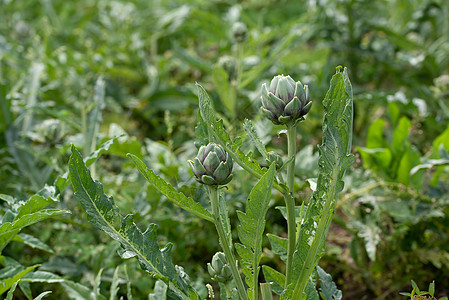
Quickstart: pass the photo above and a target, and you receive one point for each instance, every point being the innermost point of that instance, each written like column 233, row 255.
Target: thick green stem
column 290, row 202
column 230, row 258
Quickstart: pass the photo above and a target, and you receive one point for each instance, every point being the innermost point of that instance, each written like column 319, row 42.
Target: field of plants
column 221, row 149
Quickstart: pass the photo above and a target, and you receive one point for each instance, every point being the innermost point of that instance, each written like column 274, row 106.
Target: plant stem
column 230, row 258
column 290, row 202
column 265, row 289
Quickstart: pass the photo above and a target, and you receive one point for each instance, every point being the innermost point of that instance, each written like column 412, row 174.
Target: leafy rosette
column 212, row 165
column 285, row 101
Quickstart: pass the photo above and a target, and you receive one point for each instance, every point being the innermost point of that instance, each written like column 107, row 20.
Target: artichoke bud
column 239, row 32
column 286, row 101
column 219, row 270
column 273, row 157
column 212, row 165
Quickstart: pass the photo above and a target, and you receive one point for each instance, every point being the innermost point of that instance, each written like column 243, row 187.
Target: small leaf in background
column 160, row 291
column 328, row 289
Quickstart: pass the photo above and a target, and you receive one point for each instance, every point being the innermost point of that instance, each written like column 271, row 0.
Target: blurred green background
column 88, row 71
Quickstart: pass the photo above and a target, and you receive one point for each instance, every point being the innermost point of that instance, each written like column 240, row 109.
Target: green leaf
column 251, row 228
column 222, row 138
column 408, row 159
column 78, row 291
column 104, row 214
column 279, row 245
column 11, row 291
column 432, row 288
column 370, row 233
column 160, row 291
column 9, row 229
column 37, row 202
column 114, row 285
column 224, row 89
column 254, row 138
column 42, row 276
column 94, row 116
column 275, row 277
column 33, row 242
column 42, row 295
column 168, row 191
column 15, row 274
column 335, row 158
column 400, row 135
column 328, row 289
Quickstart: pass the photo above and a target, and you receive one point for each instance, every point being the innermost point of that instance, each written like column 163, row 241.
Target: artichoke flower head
column 212, row 165
column 285, row 101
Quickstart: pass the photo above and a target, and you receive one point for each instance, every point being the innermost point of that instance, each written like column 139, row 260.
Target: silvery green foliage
column 104, row 214
column 328, row 288
column 212, row 165
column 285, row 101
column 335, row 158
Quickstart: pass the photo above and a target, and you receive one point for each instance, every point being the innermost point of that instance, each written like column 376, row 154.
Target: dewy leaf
column 328, row 289
column 251, row 228
column 335, row 158
column 222, row 138
column 252, row 134
column 168, row 191
column 104, row 214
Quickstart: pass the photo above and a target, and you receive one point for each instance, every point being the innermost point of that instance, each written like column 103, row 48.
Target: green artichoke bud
column 212, row 165
column 286, row 101
column 219, row 270
column 273, row 157
column 239, row 31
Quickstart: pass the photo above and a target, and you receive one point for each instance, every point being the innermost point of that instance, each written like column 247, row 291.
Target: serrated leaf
column 276, row 278
column 168, row 191
column 42, row 276
column 251, row 228
column 254, row 138
column 335, row 157
column 104, row 214
column 328, row 289
column 36, row 202
column 221, row 136
column 9, row 229
column 14, row 276
column 31, row 241
column 279, row 245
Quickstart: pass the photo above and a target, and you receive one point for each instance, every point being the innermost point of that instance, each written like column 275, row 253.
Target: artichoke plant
column 219, row 270
column 285, row 101
column 212, row 165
